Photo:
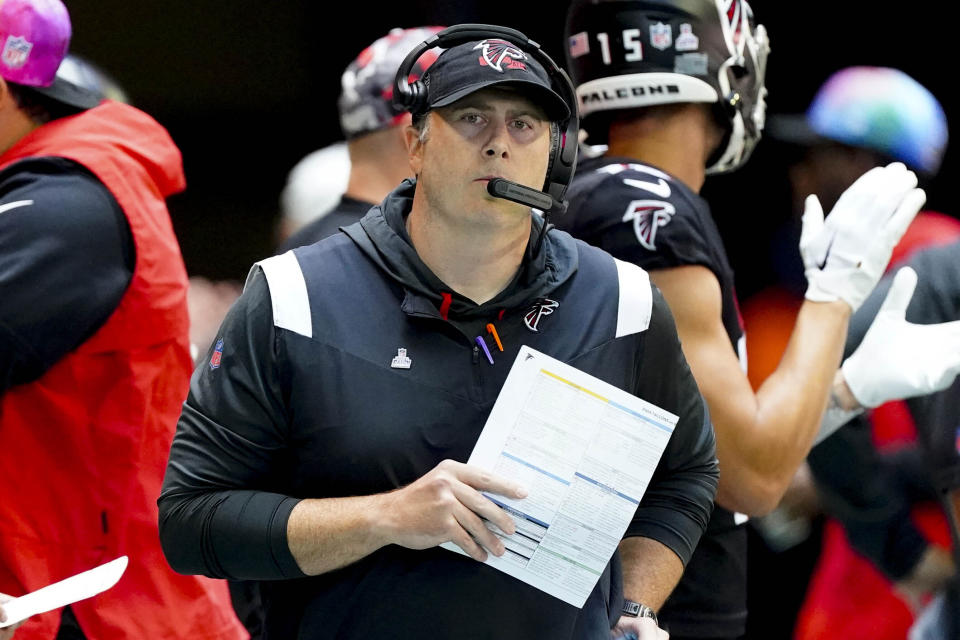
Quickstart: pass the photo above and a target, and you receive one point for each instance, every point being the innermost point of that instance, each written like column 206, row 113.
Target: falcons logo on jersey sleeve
column 648, row 216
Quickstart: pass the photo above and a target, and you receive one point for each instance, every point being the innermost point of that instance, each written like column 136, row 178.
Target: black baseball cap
column 469, row 67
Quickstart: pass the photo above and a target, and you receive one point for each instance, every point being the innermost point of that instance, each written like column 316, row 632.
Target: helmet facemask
column 742, row 92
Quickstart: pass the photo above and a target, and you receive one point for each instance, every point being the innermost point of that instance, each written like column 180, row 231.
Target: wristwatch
column 637, row 610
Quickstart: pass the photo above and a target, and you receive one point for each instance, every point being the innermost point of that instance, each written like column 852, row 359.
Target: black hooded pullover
column 298, row 399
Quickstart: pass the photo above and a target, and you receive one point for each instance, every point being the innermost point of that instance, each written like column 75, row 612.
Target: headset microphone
column 514, row 192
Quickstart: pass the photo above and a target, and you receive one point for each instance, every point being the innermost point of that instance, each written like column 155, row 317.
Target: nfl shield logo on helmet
column 16, row 51
column 217, row 355
column 661, row 36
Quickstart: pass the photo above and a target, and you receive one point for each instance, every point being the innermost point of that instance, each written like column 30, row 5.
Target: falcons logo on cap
column 648, row 216
column 493, row 53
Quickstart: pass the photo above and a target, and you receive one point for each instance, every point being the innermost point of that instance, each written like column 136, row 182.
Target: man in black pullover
column 321, row 449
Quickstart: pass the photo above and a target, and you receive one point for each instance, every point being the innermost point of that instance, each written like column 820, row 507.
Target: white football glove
column 845, row 256
column 898, row 359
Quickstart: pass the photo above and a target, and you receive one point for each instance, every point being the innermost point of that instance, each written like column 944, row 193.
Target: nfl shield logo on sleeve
column 217, row 355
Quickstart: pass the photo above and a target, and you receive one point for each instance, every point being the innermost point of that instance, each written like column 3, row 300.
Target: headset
column 412, row 97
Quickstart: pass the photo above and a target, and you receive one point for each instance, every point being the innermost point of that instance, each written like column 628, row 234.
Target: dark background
column 247, row 88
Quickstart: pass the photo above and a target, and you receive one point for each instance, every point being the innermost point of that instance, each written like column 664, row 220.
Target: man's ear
column 7, row 101
column 411, row 137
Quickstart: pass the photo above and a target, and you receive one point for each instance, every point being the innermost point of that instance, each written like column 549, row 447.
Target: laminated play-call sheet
column 585, row 451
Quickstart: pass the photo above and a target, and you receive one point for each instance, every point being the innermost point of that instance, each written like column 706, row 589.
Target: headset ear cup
column 570, row 147
column 411, row 96
column 417, row 97
column 554, row 155
column 563, row 160
column 405, row 96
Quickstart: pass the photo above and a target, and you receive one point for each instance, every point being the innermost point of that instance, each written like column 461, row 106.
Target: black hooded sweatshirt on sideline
column 298, row 399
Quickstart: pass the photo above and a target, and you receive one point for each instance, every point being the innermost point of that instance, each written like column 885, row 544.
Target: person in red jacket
column 94, row 351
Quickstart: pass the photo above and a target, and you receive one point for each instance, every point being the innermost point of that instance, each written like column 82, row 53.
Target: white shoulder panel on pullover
column 288, row 293
column 636, row 299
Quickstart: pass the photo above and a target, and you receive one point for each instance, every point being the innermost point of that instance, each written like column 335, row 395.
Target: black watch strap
column 637, row 610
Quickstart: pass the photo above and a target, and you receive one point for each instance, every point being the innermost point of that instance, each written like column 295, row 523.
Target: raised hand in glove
column 846, row 255
column 898, row 359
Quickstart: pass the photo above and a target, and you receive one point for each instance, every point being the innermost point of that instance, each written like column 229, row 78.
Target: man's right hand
column 446, row 505
column 638, row 629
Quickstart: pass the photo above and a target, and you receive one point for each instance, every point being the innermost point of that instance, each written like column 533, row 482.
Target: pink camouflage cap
column 366, row 97
column 34, row 39
column 35, row 36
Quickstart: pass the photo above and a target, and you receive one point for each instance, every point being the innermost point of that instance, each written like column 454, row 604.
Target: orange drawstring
column 493, row 331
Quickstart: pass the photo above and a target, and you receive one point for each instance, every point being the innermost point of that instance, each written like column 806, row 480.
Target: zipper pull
column 486, row 351
column 476, row 354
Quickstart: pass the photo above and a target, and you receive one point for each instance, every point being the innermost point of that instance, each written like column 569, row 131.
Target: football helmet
column 624, row 54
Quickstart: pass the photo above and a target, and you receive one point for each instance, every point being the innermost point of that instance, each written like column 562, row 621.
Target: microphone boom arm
column 501, row 188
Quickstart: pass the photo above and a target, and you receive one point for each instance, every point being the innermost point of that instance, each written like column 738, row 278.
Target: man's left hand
column 898, row 359
column 630, row 628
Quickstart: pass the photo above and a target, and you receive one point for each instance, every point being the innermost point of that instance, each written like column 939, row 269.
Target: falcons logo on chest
column 541, row 307
column 648, row 216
